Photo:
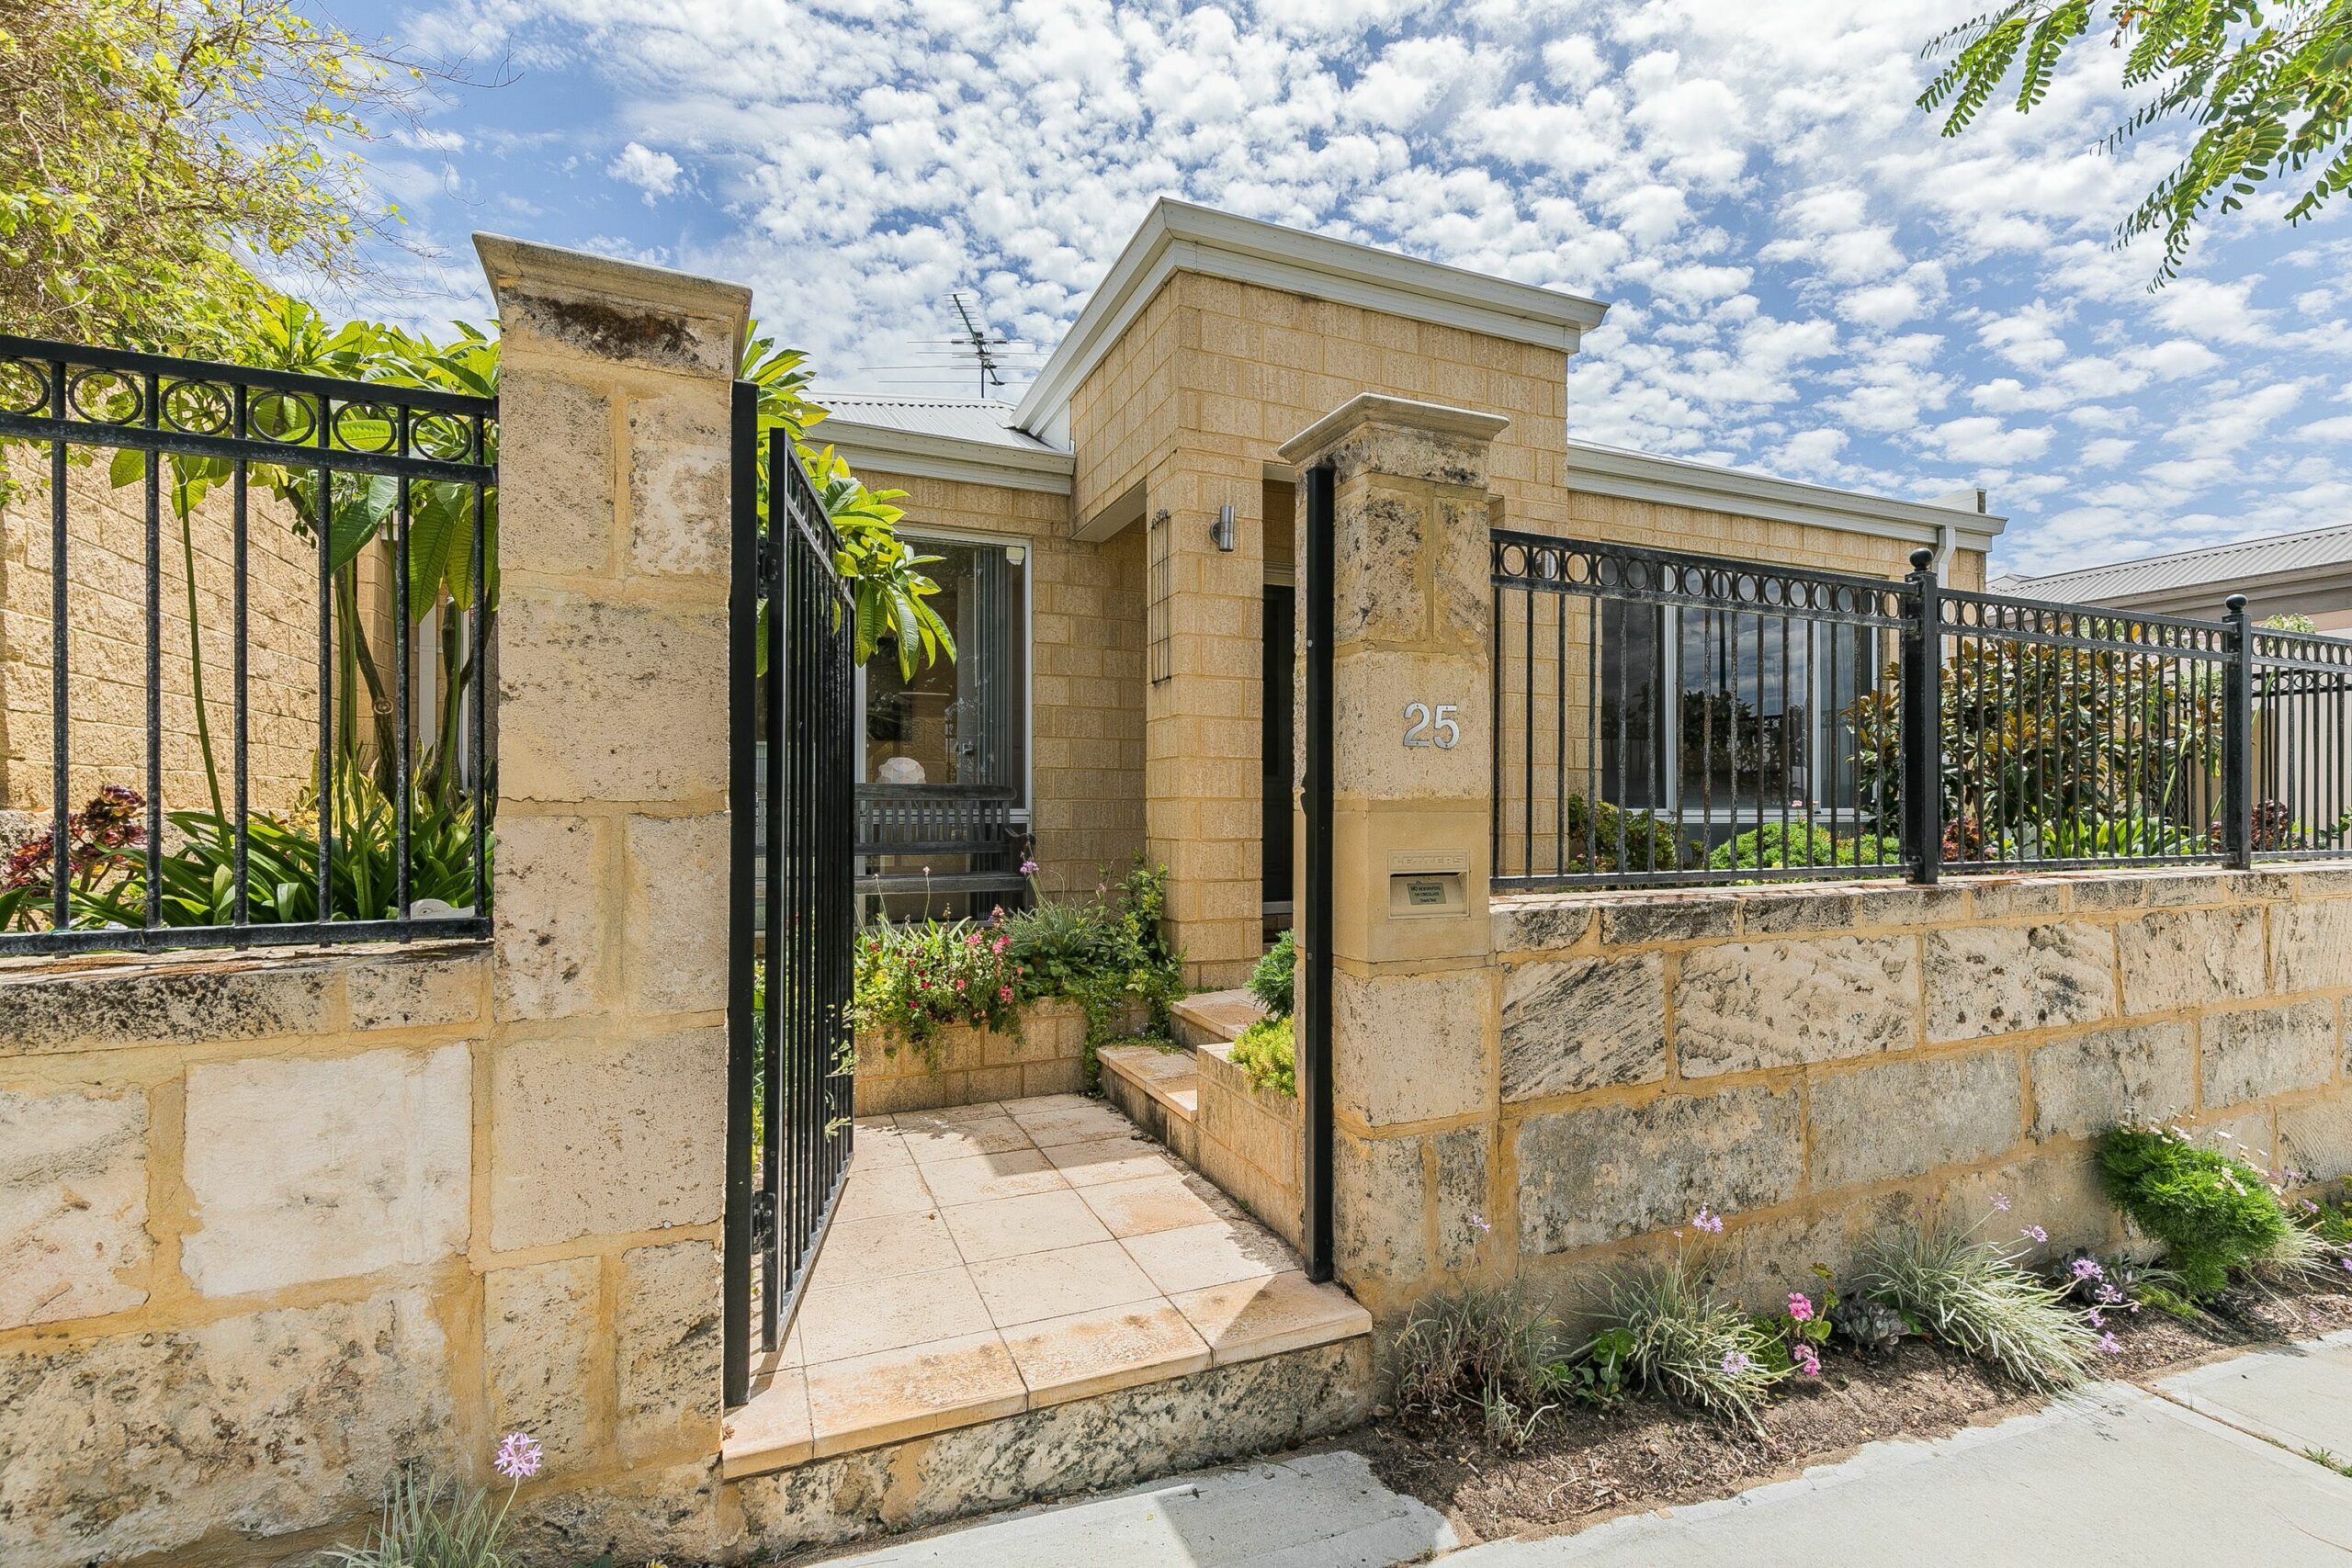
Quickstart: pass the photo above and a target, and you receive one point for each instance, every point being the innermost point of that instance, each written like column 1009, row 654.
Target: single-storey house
column 1116, row 556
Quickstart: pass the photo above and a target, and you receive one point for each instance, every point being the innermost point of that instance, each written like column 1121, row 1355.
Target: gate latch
column 763, row 1221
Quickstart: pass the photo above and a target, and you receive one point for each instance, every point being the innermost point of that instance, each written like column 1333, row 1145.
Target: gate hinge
column 763, row 1221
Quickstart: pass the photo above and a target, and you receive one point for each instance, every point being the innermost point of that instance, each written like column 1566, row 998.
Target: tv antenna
column 978, row 342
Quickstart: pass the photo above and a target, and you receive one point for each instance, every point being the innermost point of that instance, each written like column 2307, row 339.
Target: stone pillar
column 1202, row 730
column 597, row 1227
column 1413, row 1036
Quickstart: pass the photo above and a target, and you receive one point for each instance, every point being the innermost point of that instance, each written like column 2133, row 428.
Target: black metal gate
column 794, row 910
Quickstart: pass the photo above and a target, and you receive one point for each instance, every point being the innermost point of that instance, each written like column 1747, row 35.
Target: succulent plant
column 1866, row 1325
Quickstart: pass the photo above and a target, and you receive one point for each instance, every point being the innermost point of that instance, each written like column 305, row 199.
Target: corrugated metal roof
column 2215, row 564
column 958, row 419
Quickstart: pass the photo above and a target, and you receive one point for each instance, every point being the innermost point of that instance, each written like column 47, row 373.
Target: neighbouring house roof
column 2244, row 564
column 944, row 438
column 1601, row 469
column 1178, row 236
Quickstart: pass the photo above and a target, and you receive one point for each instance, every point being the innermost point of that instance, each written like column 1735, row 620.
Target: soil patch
column 1583, row 1466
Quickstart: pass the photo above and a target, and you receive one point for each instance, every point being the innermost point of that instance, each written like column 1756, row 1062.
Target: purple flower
column 2095, row 1317
column 519, row 1457
column 1028, row 868
column 1735, row 1363
column 1480, row 1221
column 2109, row 1345
column 2089, row 1268
column 2347, row 1262
column 2034, row 1233
column 2001, row 1202
column 1708, row 1220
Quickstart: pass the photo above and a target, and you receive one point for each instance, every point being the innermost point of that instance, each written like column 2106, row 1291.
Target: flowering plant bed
column 1590, row 1465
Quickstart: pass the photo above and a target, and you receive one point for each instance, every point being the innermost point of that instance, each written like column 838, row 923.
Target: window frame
column 920, row 535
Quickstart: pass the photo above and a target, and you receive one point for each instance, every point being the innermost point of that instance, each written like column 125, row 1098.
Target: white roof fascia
column 875, row 447
column 1674, row 481
column 1178, row 236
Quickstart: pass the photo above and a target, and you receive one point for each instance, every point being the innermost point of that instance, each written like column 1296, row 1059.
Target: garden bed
column 1584, row 1466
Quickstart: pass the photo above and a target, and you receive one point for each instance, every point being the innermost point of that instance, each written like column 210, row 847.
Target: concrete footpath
column 2204, row 1468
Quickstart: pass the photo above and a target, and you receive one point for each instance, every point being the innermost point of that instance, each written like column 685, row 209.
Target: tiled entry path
column 994, row 1258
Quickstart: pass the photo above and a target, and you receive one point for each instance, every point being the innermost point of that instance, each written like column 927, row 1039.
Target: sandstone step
column 1214, row 1018
column 1158, row 1090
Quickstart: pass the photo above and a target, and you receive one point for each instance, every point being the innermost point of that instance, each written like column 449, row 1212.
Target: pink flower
column 1800, row 1306
column 1000, row 944
column 2034, row 1233
column 1708, row 1220
column 519, row 1457
column 1028, row 868
column 1807, row 1358
column 973, row 940
column 1005, row 993
column 2001, row 1202
column 959, row 984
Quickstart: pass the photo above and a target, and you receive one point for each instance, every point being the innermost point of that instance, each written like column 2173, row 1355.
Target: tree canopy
column 153, row 152
column 2266, row 86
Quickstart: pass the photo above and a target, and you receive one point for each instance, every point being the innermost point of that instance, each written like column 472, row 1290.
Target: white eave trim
column 888, row 451
column 1642, row 476
column 1178, row 236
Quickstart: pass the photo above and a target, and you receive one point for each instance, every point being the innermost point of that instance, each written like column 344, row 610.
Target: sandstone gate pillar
column 597, row 1227
column 1413, row 1059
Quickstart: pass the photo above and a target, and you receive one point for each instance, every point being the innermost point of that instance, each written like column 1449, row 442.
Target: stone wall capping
column 1378, row 408
column 613, row 310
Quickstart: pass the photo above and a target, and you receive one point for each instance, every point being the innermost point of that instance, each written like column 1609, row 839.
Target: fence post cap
column 1922, row 558
column 2234, row 604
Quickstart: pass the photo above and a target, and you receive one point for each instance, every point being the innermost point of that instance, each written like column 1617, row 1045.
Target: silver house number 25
column 1433, row 726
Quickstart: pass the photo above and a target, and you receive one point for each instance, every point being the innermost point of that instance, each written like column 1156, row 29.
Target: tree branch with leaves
column 2267, row 88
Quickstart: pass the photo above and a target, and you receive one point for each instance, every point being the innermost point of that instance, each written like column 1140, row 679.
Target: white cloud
column 655, row 174
column 1807, row 276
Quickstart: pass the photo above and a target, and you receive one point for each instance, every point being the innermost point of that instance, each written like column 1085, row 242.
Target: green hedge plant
column 1267, row 1055
column 2214, row 1214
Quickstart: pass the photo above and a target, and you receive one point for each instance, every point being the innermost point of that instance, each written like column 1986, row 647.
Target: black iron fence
column 331, row 543
column 1662, row 718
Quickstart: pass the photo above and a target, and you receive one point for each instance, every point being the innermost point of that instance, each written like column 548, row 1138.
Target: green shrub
column 1619, row 840
column 1107, row 953
column 1267, row 1055
column 1498, row 1349
column 1273, row 982
column 2212, row 1212
column 1969, row 1293
column 1773, row 847
column 1677, row 1339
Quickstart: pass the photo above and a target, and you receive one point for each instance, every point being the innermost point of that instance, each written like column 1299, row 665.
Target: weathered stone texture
column 1744, row 1006
column 678, row 512
column 551, row 957
column 1658, row 917
column 2316, row 1137
column 260, row 1425
column 2000, row 979
column 73, row 1241
column 668, row 1332
column 1532, row 925
column 1582, row 1023
column 674, row 923
column 1904, row 1118
column 410, row 990
column 2312, row 945
column 1378, row 1194
column 2249, row 1056
column 1463, row 1223
column 630, row 1124
column 1618, row 1170
column 539, row 1324
column 1415, row 1047
column 2084, row 1085
column 2187, row 957
column 555, row 504
column 591, row 707
column 183, row 1005
column 307, row 1168
column 1160, row 1428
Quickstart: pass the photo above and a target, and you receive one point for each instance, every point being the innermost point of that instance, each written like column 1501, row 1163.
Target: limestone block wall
column 107, row 643
column 975, row 1065
column 1250, row 1141
column 243, row 1244
column 1811, row 1060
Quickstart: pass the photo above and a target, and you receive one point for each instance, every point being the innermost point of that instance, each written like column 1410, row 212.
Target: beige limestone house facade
column 1118, row 543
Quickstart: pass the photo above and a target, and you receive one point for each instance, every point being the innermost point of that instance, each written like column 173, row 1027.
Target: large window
column 965, row 721
column 1718, row 715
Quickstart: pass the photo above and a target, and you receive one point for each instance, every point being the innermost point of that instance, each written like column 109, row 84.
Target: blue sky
column 1806, row 278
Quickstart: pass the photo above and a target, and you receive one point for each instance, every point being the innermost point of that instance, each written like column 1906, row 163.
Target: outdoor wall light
column 1221, row 531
